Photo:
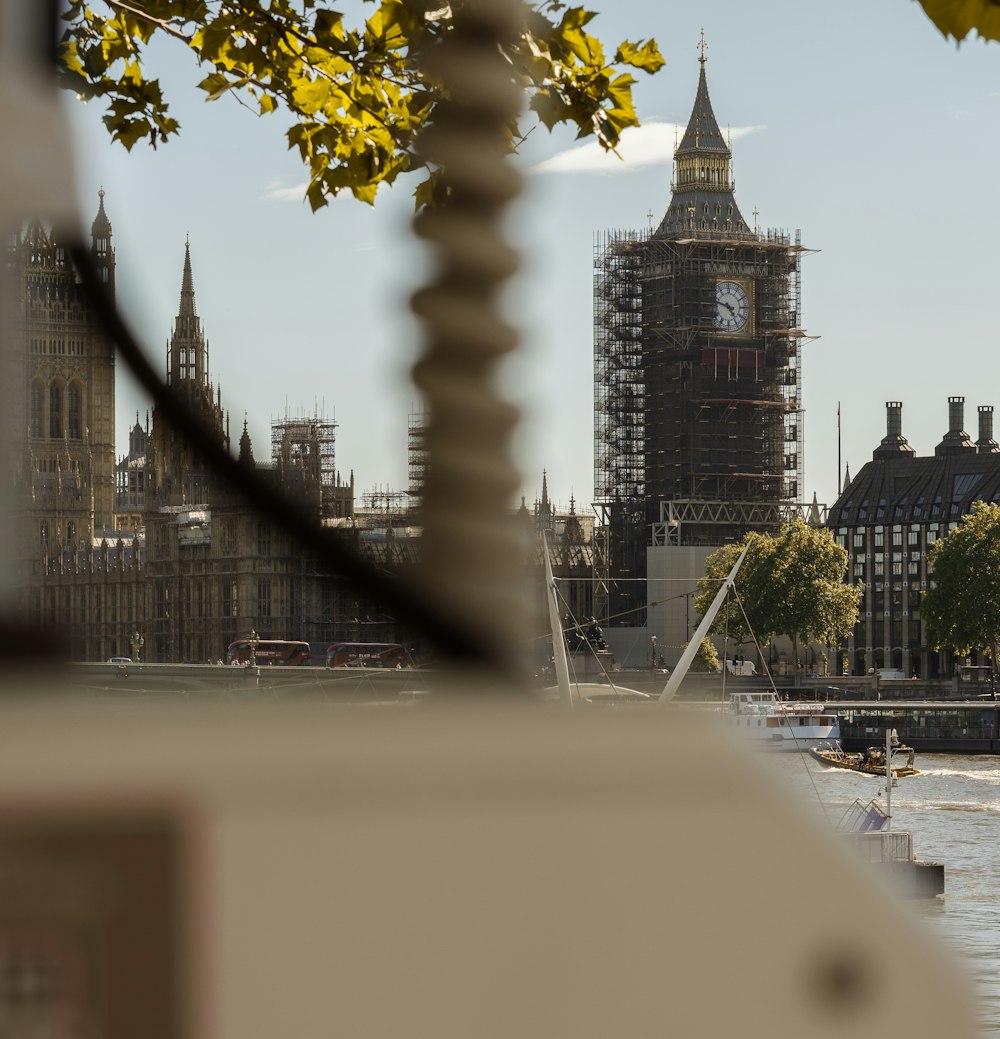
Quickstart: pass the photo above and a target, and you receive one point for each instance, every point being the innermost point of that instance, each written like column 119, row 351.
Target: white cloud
column 648, row 145
column 296, row 193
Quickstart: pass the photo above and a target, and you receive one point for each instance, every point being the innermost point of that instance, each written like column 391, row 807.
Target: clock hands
column 731, row 306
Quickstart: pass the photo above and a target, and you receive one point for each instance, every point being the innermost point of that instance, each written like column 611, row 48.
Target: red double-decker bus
column 365, row 654
column 269, row 651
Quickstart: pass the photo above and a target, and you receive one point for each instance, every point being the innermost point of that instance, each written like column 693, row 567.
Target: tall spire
column 187, row 307
column 101, row 227
column 703, row 204
column 187, row 357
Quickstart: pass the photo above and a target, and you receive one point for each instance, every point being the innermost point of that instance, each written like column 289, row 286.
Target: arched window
column 35, row 418
column 55, row 411
column 74, row 420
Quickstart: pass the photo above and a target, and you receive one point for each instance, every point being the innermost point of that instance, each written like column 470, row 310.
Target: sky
column 856, row 123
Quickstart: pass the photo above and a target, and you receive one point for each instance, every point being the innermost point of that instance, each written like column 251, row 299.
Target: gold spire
column 702, row 46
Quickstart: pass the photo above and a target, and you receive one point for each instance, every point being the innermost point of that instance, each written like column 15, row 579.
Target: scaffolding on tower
column 301, row 440
column 686, row 411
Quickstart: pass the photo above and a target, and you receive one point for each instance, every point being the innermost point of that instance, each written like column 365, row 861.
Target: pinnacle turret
column 101, row 227
column 100, row 246
column 246, row 447
column 187, row 358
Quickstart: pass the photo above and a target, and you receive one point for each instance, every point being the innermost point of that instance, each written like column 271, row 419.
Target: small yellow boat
column 871, row 761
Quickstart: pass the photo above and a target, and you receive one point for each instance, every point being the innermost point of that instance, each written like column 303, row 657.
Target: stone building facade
column 158, row 548
column 156, row 556
column 61, row 413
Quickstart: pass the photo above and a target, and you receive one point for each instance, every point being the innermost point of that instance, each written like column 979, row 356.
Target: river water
column 953, row 811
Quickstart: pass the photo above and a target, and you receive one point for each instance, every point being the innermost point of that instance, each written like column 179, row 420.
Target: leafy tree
column 707, row 657
column 958, row 18
column 791, row 583
column 356, row 96
column 962, row 606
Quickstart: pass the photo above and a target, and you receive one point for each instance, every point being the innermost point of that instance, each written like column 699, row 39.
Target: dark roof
column 101, row 227
column 905, row 489
column 677, row 221
column 702, row 133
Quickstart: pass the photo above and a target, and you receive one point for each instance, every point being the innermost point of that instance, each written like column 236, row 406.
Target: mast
column 559, row 658
column 670, row 689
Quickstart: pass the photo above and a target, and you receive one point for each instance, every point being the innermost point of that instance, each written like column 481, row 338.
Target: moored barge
column 941, row 726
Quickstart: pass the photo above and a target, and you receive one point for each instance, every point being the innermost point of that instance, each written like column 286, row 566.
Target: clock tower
column 697, row 366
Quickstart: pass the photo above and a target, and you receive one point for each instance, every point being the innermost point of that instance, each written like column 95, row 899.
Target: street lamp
column 137, row 643
column 253, row 640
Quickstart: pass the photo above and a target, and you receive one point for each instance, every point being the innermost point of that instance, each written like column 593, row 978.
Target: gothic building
column 157, row 546
column 697, row 367
column 62, row 407
column 156, row 555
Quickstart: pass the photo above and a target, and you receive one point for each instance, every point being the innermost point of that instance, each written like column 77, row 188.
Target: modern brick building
column 888, row 517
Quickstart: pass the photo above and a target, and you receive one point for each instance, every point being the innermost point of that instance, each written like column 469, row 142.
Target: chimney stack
column 956, row 440
column 986, row 445
column 893, row 444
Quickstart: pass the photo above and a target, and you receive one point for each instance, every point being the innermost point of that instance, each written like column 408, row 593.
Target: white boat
column 762, row 715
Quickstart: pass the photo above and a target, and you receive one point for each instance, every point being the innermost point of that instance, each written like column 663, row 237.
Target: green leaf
column 958, row 18
column 215, row 85
column 645, row 56
column 354, row 96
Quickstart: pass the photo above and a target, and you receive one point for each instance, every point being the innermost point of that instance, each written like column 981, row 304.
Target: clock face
column 732, row 306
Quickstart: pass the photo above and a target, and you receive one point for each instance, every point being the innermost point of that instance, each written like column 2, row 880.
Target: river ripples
column 953, row 811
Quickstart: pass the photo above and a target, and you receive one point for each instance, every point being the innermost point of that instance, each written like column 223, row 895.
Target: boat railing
column 883, row 845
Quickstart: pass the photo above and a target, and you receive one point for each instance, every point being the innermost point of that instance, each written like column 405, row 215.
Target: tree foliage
column 356, row 96
column 791, row 583
column 958, row 18
column 962, row 606
column 707, row 657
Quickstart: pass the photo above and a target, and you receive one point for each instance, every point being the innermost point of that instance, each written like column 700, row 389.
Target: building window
column 263, row 598
column 230, row 599
column 55, row 411
column 263, row 540
column 73, row 420
column 35, row 419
